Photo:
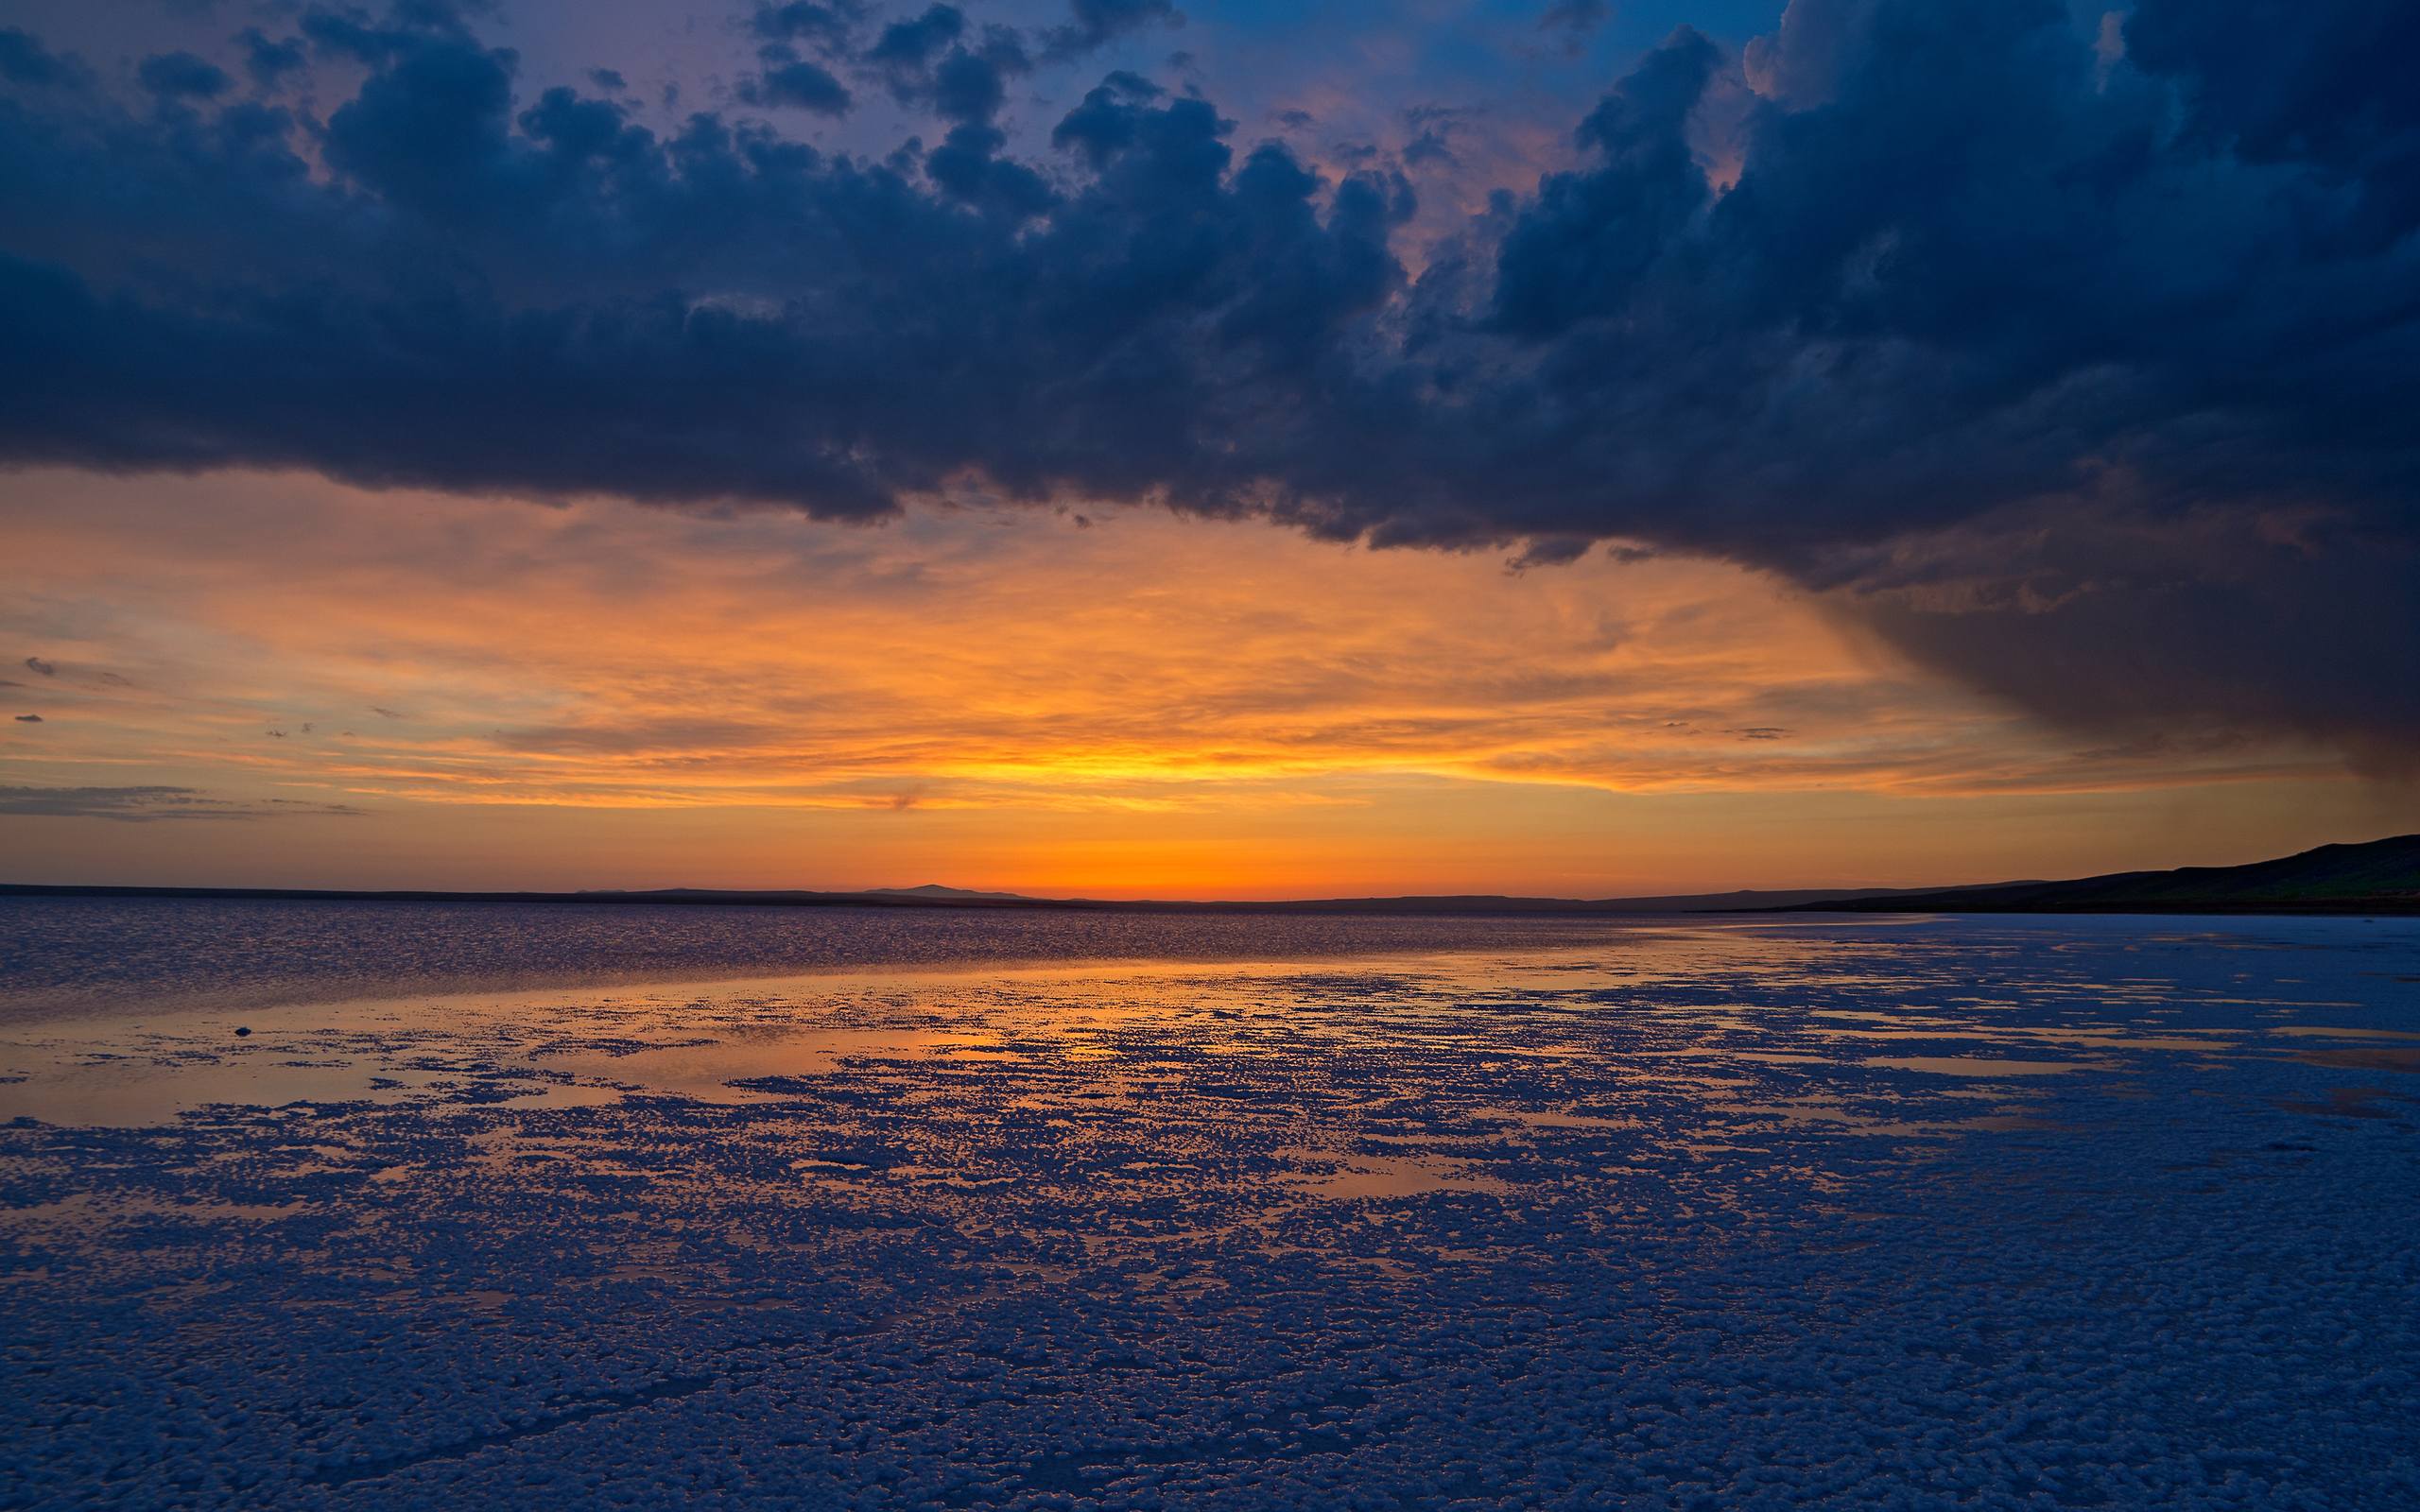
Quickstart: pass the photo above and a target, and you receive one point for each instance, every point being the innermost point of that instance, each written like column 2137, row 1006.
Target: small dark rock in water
column 241, row 1030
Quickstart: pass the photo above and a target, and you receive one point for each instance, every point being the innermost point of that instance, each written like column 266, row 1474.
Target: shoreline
column 1868, row 903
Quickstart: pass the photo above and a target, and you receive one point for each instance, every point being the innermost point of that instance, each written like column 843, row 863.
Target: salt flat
column 1733, row 1213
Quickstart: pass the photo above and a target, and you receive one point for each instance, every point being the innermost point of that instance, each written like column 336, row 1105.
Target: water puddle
column 1979, row 1065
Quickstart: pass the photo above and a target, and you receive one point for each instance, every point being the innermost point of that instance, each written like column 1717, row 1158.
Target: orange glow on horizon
column 599, row 695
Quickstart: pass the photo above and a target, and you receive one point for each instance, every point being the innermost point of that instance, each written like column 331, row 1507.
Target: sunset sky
column 1132, row 450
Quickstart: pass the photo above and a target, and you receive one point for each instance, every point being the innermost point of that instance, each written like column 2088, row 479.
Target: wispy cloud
column 1148, row 663
column 145, row 804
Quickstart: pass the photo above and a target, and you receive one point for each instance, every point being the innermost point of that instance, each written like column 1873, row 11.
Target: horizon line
column 937, row 895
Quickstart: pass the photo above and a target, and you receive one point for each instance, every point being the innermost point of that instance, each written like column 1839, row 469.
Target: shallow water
column 107, row 955
column 1473, row 1213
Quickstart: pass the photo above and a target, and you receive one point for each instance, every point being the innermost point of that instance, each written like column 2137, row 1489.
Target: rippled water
column 59, row 955
column 1479, row 1215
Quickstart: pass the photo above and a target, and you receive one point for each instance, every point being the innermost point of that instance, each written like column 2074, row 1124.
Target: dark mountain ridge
column 932, row 895
column 2374, row 877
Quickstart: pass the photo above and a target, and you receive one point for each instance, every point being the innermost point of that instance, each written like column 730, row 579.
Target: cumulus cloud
column 26, row 63
column 268, row 61
column 789, row 79
column 1095, row 23
column 2061, row 367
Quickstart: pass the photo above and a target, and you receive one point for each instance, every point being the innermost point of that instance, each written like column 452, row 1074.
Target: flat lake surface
column 710, row 1207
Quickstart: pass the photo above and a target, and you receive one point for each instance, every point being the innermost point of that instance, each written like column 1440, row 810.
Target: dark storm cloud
column 1095, row 23
column 940, row 61
column 913, row 45
column 268, row 61
column 935, row 60
column 824, row 28
column 36, row 663
column 2077, row 363
column 25, row 61
column 789, row 79
column 172, row 75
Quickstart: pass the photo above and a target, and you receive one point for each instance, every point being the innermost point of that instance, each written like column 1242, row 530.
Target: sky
column 1131, row 449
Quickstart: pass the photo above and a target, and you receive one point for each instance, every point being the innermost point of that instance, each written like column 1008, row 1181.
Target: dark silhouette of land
column 932, row 895
column 2378, row 877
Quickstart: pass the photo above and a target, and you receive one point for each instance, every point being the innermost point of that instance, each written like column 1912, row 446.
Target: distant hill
column 935, row 892
column 934, row 895
column 2378, row 877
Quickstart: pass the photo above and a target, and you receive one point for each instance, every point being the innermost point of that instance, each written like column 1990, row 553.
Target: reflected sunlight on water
column 1334, row 1206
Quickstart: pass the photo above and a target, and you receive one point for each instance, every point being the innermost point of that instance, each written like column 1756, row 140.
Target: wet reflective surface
column 1746, row 1212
